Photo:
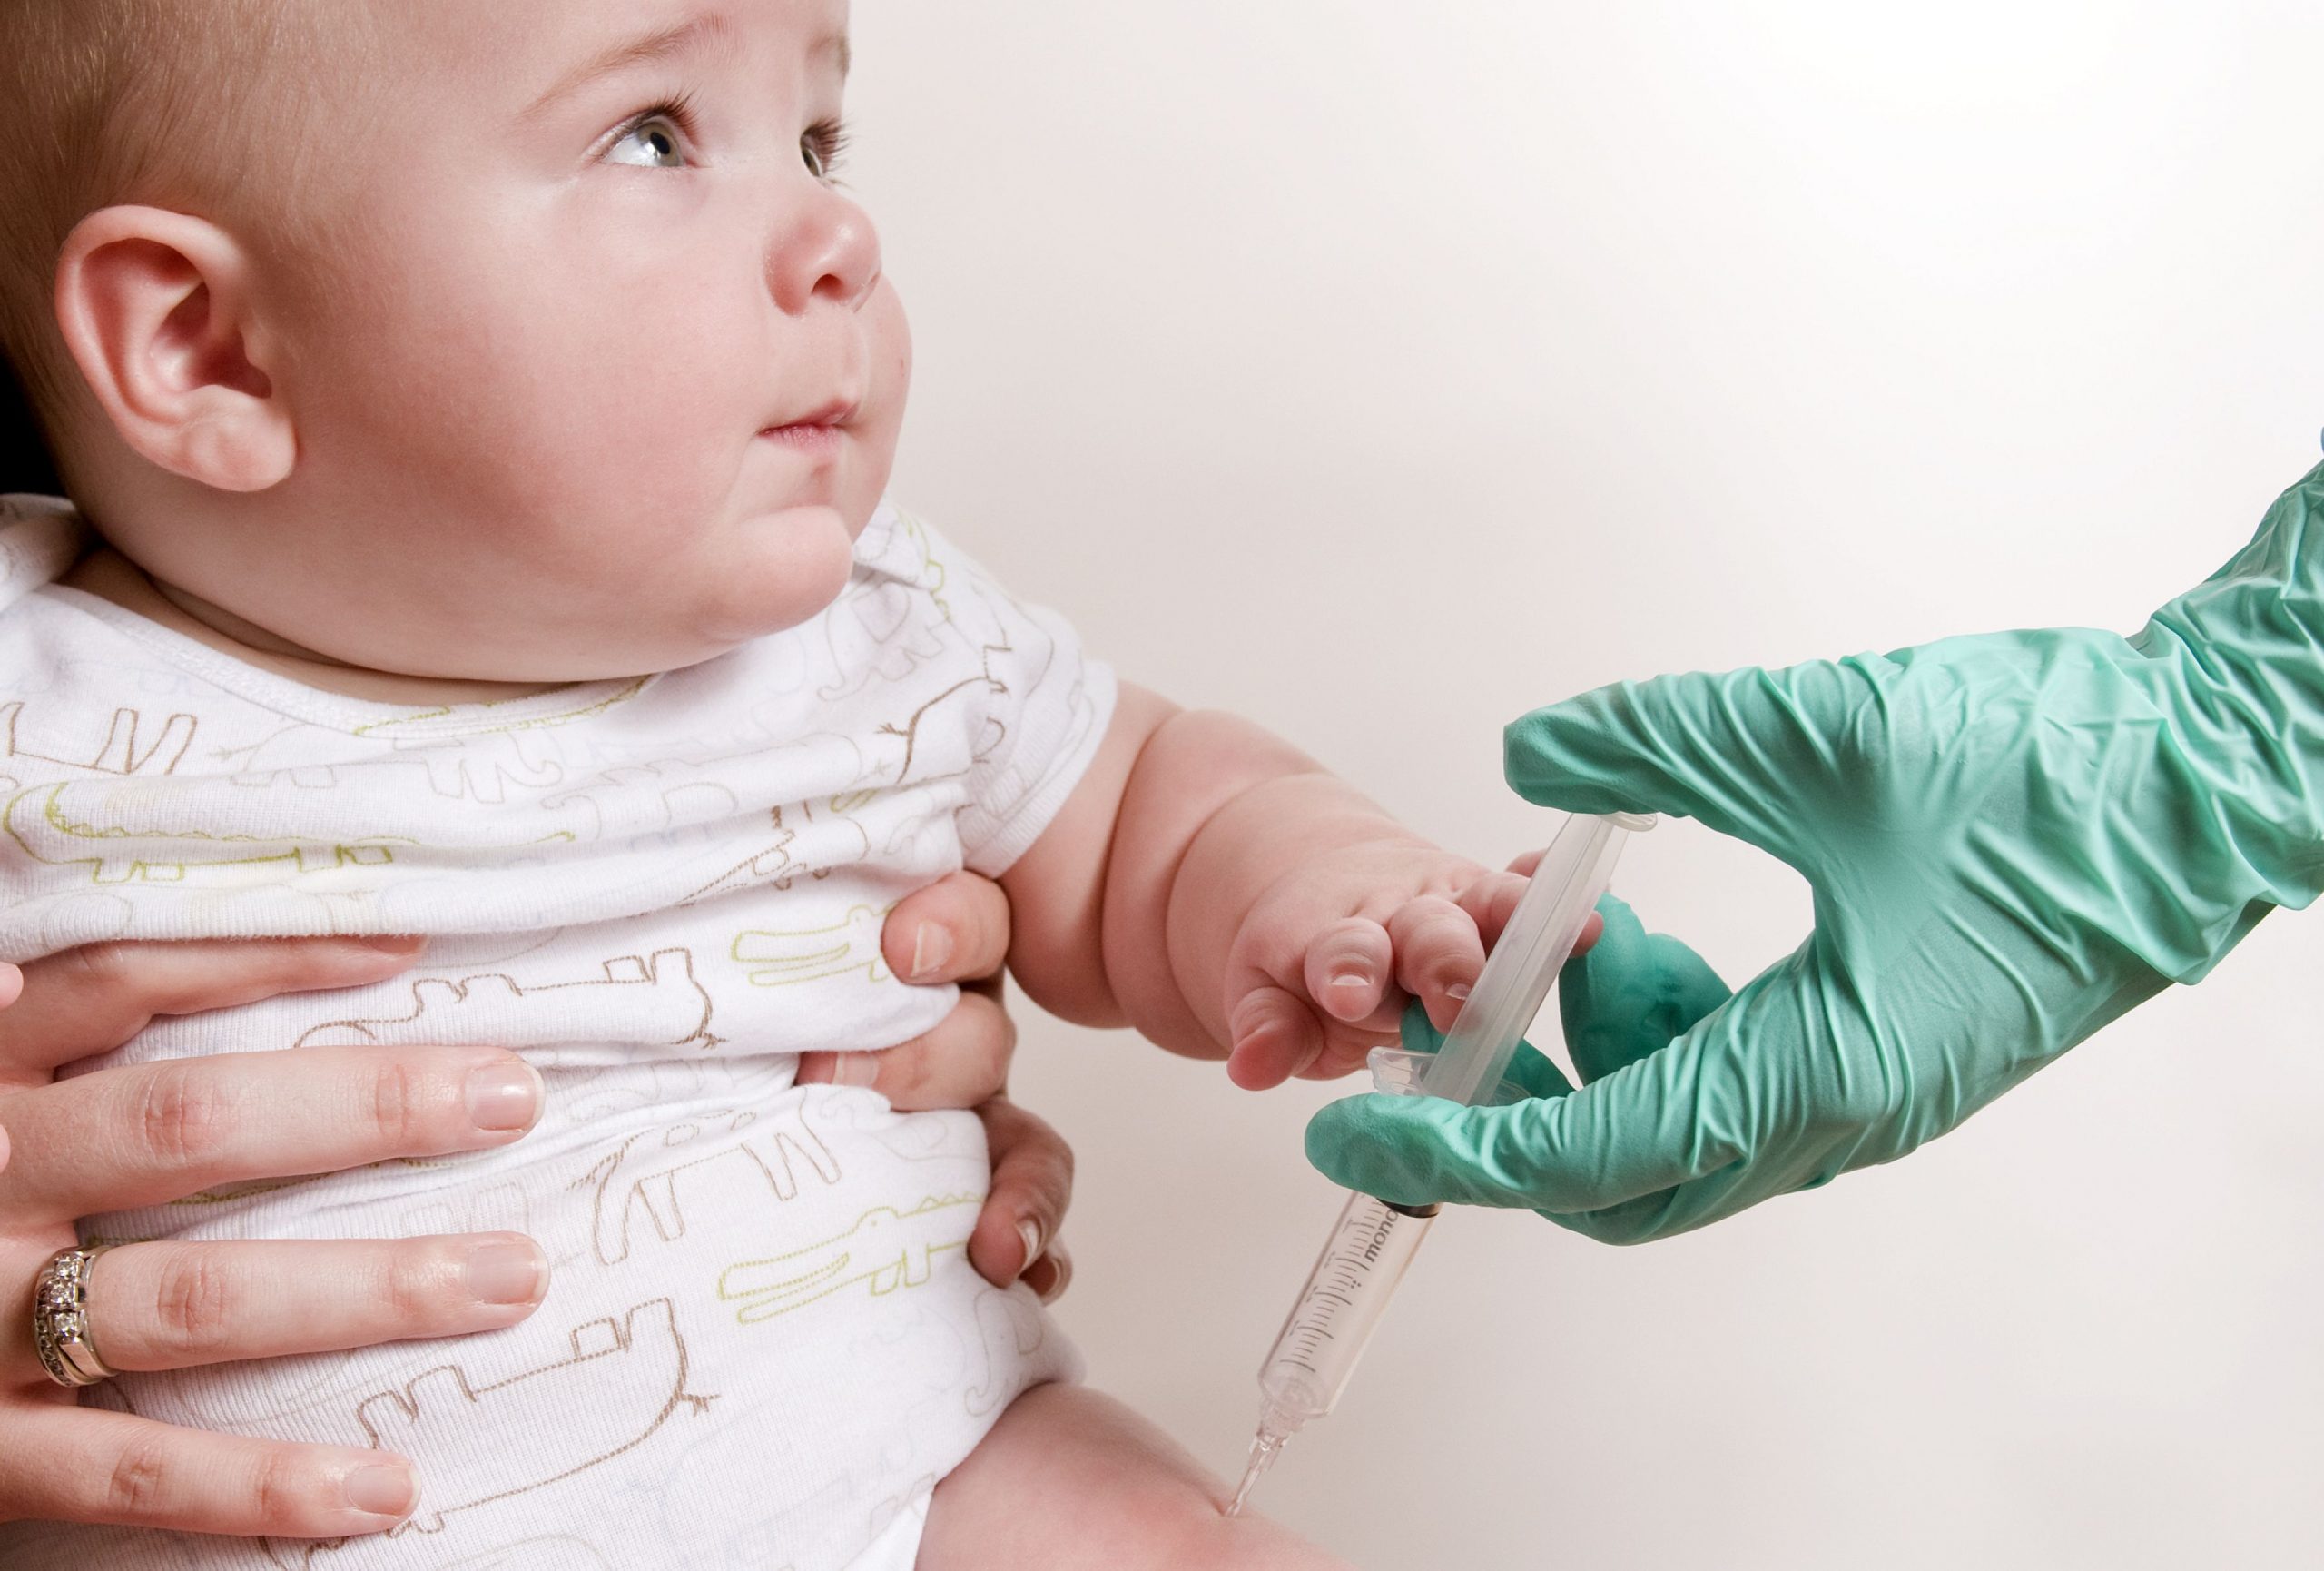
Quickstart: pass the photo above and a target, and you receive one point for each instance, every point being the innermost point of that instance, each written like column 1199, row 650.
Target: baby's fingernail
column 504, row 1097
column 1458, row 992
column 505, row 1271
column 1351, row 979
column 859, row 1069
column 1030, row 1231
column 931, row 946
column 393, row 942
column 383, row 1489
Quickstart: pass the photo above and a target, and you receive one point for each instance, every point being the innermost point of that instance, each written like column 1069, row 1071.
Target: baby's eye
column 820, row 147
column 651, row 143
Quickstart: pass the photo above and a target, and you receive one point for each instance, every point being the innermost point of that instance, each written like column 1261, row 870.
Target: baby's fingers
column 1275, row 1036
column 1348, row 968
column 1438, row 955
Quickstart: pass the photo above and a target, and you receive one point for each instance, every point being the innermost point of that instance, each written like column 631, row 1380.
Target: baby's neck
column 110, row 576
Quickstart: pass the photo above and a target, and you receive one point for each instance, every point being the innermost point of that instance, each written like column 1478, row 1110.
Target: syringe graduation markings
column 1372, row 1243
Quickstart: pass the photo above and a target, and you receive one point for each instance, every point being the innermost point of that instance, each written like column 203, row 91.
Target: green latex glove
column 2012, row 840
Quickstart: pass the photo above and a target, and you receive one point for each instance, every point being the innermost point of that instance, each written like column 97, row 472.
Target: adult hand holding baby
column 147, row 1133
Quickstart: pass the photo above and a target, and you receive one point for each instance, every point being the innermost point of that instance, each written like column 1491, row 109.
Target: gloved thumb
column 1736, row 749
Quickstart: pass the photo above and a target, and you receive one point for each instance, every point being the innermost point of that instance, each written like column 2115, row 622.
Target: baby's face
column 601, row 374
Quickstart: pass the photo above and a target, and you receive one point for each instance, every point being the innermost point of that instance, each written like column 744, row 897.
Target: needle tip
column 1264, row 1451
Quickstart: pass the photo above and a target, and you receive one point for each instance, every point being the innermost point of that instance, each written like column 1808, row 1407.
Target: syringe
column 1373, row 1242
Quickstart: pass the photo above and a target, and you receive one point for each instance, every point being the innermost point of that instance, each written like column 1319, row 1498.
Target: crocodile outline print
column 887, row 1248
column 787, row 958
column 650, row 1000
column 45, row 833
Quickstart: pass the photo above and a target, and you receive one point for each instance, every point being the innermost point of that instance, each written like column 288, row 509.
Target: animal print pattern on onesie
column 763, row 1343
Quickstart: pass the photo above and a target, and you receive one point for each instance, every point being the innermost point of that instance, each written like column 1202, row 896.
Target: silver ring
column 61, row 1332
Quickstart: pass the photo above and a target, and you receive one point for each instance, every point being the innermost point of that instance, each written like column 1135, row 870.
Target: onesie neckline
column 340, row 711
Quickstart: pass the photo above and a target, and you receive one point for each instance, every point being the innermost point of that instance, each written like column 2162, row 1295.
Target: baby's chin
column 787, row 566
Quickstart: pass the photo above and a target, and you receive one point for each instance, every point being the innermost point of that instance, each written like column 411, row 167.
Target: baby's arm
column 1213, row 887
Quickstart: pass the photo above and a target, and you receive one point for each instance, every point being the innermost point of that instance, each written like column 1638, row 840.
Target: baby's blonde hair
column 186, row 104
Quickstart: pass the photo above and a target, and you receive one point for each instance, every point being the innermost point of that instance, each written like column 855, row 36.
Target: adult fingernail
column 504, row 1096
column 383, row 1490
column 1030, row 1231
column 859, row 1069
column 931, row 946
column 505, row 1271
column 1061, row 1275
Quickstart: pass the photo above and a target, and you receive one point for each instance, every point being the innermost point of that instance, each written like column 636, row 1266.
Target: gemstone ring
column 61, row 1333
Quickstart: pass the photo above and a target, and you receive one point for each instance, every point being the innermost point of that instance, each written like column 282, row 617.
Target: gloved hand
column 2012, row 840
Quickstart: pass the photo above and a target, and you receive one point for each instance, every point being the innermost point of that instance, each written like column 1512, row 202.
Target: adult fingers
column 954, row 930
column 91, row 1000
column 1631, row 993
column 1734, row 749
column 70, row 1464
column 1438, row 954
column 1348, row 966
column 1050, row 1275
column 1529, row 1070
column 961, row 1061
column 1032, row 1185
column 152, row 1133
column 171, row 1306
column 1741, row 1082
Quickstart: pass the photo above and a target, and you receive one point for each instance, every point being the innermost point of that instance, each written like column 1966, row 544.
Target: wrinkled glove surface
column 2012, row 839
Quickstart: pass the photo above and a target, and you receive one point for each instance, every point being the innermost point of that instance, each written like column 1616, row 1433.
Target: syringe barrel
column 1566, row 884
column 1323, row 1336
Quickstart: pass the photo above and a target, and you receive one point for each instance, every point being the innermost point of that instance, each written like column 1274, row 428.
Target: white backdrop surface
column 1382, row 371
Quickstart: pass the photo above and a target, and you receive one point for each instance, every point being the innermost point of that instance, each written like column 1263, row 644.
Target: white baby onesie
column 763, row 1343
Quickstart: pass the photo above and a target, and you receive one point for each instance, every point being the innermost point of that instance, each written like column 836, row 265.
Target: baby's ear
column 160, row 314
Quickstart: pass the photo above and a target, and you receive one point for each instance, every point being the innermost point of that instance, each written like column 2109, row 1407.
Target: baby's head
column 525, row 341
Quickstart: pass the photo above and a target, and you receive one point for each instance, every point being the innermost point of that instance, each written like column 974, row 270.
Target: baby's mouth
column 819, row 432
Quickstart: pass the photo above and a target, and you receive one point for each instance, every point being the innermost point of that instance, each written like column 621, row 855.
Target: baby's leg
column 1071, row 1478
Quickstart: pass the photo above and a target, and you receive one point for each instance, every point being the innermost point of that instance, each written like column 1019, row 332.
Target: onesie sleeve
column 1046, row 706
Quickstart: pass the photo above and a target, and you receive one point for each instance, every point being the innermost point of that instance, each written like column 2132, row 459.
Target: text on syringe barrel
column 1348, row 1291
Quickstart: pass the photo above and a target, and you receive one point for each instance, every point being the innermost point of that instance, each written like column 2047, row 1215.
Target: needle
column 1263, row 1451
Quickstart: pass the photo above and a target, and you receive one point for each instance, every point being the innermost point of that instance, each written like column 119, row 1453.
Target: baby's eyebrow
column 663, row 44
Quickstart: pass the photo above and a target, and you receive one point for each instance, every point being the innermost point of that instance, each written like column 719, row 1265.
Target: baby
column 477, row 416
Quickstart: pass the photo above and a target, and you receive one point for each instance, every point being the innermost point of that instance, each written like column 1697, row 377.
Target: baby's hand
column 1320, row 970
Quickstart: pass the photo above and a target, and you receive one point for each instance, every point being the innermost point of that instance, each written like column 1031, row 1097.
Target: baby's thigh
column 1069, row 1478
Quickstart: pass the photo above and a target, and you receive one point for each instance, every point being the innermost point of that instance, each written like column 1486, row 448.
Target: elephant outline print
column 647, row 1001
column 119, row 753
column 577, row 1412
column 554, row 1552
column 887, row 1248
column 638, row 1174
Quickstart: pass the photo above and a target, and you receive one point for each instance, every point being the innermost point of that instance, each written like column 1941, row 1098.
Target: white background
column 1382, row 371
